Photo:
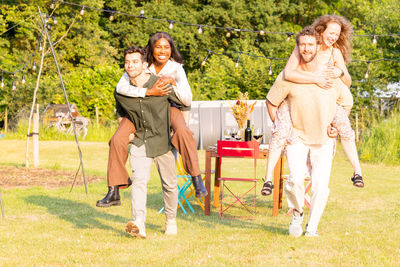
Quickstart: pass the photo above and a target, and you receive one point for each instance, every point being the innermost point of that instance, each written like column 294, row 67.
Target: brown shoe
column 133, row 229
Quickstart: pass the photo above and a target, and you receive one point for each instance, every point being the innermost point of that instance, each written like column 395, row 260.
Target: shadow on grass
column 155, row 202
column 80, row 214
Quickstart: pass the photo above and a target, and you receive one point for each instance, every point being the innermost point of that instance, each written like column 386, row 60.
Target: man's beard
column 310, row 59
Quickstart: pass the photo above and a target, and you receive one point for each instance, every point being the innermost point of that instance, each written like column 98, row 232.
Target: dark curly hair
column 175, row 55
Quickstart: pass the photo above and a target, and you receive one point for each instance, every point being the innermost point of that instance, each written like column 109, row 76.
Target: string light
column 13, row 85
column 52, row 4
column 111, row 18
column 200, row 31
column 23, row 78
column 374, row 40
column 82, row 12
column 54, row 20
column 2, row 79
column 33, row 65
column 228, row 34
column 270, row 68
column 367, row 72
column 40, row 46
column 203, row 63
column 237, row 62
column 171, row 25
column 289, row 35
column 261, row 32
column 48, row 26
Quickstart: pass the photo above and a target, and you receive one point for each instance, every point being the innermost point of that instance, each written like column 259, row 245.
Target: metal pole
column 222, row 121
column 1, row 203
column 66, row 99
column 200, row 135
column 262, row 124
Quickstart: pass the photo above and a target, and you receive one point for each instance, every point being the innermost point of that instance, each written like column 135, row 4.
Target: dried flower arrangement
column 241, row 110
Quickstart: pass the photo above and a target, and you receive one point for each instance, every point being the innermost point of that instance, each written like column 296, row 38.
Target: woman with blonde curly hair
column 336, row 34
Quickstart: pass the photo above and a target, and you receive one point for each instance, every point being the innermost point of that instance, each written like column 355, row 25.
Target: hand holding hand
column 168, row 79
column 324, row 82
column 332, row 131
column 334, row 72
column 159, row 88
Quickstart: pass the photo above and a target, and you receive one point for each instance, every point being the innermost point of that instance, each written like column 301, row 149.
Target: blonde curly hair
column 346, row 33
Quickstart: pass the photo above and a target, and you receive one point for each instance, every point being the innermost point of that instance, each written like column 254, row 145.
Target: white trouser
column 141, row 165
column 321, row 162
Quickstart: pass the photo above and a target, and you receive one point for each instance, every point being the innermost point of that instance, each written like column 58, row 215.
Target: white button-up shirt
column 172, row 69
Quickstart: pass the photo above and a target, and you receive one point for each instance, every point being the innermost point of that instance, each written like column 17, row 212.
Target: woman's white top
column 171, row 69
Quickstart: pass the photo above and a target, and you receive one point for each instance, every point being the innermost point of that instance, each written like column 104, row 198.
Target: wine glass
column 227, row 134
column 234, row 132
column 238, row 135
column 258, row 134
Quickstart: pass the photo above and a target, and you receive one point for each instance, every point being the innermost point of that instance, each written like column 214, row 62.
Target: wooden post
column 35, row 137
column 97, row 116
column 357, row 127
column 6, row 120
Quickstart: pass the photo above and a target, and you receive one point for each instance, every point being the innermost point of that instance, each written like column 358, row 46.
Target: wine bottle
column 247, row 132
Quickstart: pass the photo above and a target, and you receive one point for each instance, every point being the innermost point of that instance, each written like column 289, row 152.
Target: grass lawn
column 56, row 227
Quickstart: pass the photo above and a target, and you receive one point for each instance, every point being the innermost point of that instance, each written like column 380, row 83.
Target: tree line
column 90, row 47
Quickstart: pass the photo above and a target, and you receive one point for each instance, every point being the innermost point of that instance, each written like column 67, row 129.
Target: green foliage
column 90, row 48
column 381, row 142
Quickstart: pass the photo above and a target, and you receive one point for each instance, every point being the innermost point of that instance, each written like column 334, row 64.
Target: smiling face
column 307, row 47
column 162, row 51
column 331, row 34
column 134, row 64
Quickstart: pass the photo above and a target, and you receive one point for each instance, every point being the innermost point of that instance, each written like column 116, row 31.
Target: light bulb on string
column 203, row 63
column 171, row 25
column 289, row 35
column 228, row 34
column 82, row 12
column 141, row 13
column 367, row 72
column 2, row 79
column 40, row 46
column 13, row 85
column 52, row 5
column 237, row 62
column 46, row 19
column 261, row 32
column 48, row 26
column 374, row 41
column 33, row 65
column 54, row 20
column 200, row 31
column 270, row 68
column 23, row 78
column 111, row 18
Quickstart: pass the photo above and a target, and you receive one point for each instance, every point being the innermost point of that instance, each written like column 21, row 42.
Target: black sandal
column 357, row 180
column 267, row 188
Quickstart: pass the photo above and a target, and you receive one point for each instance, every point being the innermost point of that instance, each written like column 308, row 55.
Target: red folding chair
column 237, row 149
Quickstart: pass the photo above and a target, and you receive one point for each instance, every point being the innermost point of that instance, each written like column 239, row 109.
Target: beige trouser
column 321, row 161
column 141, row 165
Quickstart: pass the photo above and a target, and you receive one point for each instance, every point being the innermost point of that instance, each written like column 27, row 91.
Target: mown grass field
column 56, row 227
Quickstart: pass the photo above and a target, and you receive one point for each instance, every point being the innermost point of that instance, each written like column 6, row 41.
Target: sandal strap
column 357, row 179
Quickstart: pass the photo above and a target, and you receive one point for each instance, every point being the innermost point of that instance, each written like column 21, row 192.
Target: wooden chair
column 237, row 149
